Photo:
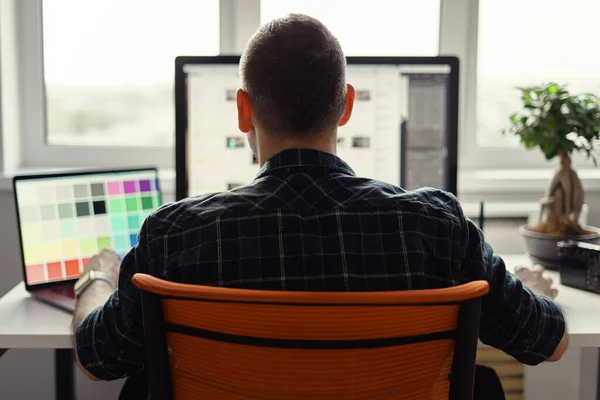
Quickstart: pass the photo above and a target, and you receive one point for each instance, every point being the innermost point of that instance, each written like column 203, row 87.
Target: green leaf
column 556, row 121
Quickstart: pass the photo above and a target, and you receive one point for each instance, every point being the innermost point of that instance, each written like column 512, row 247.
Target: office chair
column 216, row 343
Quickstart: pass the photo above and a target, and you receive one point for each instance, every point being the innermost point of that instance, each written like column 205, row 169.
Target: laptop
column 64, row 219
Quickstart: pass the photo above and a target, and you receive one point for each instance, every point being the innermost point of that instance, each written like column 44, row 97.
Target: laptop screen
column 66, row 219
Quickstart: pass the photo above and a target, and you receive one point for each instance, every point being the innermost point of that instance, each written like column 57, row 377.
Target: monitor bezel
column 63, row 174
column 452, row 115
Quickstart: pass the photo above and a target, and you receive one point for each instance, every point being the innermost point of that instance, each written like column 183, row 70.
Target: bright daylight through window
column 109, row 67
column 547, row 40
column 371, row 28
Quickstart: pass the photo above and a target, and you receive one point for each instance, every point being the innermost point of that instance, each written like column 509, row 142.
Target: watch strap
column 99, row 275
column 94, row 275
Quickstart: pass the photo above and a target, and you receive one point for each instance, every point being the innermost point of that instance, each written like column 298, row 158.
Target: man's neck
column 271, row 148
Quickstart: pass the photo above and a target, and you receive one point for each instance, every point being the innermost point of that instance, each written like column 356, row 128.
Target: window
column 374, row 27
column 109, row 66
column 546, row 40
column 104, row 83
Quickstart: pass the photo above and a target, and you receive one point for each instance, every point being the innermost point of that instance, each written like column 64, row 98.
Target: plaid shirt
column 308, row 223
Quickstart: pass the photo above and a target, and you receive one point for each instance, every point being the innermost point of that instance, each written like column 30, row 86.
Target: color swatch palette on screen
column 64, row 221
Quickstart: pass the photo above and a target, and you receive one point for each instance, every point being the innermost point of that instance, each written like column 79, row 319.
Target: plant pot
column 542, row 249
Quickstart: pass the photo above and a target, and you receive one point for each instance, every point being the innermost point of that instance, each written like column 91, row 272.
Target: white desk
column 28, row 323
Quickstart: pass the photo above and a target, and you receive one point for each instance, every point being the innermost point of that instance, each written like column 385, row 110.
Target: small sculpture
column 561, row 208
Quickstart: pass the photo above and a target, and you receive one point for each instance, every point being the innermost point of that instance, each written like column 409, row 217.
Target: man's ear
column 244, row 111
column 350, row 95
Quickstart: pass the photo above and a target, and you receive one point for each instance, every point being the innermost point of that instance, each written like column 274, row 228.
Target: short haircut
column 294, row 71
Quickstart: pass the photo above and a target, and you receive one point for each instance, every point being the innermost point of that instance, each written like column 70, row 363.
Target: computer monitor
column 403, row 130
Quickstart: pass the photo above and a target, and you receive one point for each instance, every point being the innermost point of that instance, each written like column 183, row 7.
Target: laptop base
column 56, row 299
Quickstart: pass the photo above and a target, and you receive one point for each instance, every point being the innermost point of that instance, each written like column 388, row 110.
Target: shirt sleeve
column 515, row 320
column 110, row 341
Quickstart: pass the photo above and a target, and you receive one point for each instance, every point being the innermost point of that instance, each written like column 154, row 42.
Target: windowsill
column 515, row 181
column 501, row 209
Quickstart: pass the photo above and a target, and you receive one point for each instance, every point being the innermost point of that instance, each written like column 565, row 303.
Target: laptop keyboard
column 66, row 291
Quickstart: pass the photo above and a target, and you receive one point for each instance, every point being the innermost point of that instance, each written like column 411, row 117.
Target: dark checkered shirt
column 308, row 223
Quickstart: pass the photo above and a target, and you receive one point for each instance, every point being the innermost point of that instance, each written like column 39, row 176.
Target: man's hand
column 106, row 261
column 533, row 279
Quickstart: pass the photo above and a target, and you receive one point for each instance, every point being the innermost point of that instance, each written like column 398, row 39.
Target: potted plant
column 559, row 123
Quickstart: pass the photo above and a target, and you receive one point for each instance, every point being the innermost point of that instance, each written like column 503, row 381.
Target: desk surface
column 28, row 323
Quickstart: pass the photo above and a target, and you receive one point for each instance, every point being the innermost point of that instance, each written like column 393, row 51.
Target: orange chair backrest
column 248, row 344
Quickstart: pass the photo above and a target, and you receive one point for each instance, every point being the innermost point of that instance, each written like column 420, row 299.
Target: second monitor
column 403, row 130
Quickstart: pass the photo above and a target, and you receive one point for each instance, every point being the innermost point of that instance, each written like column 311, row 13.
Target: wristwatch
column 88, row 277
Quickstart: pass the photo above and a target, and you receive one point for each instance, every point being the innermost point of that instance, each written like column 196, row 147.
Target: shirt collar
column 305, row 158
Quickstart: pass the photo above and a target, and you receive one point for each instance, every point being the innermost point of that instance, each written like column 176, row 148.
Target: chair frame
column 158, row 363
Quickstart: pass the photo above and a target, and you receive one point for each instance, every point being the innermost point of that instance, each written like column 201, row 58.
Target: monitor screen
column 65, row 219
column 403, row 128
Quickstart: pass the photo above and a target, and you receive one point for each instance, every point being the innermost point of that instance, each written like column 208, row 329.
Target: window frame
column 238, row 20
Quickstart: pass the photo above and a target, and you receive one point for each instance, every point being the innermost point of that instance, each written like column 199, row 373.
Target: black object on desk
column 481, row 216
column 580, row 265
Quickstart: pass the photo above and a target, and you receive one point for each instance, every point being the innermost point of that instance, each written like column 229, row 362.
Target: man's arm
column 525, row 325
column 533, row 279
column 96, row 294
column 108, row 329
